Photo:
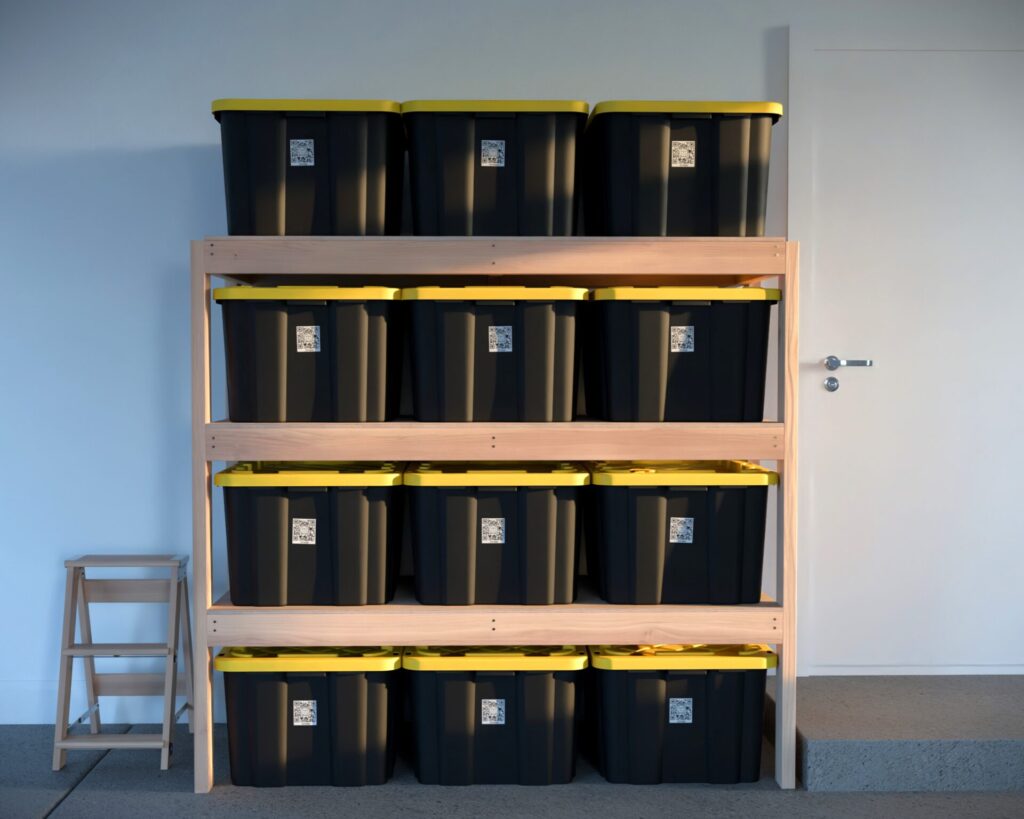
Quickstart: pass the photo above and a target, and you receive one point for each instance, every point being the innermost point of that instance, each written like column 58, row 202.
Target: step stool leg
column 171, row 673
column 186, row 647
column 60, row 732
column 85, row 628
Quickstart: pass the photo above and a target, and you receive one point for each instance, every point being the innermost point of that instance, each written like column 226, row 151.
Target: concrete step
column 886, row 733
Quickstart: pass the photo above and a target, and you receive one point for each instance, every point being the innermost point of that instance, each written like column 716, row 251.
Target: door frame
column 805, row 40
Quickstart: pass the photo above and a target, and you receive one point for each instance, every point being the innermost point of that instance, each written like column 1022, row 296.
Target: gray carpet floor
column 130, row 784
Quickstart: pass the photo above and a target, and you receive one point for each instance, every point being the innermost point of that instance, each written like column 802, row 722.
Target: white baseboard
column 823, row 670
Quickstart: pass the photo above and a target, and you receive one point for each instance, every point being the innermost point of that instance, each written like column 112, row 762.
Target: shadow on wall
column 776, row 69
column 96, row 256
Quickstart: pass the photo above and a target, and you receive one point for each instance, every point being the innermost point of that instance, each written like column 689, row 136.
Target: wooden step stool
column 78, row 594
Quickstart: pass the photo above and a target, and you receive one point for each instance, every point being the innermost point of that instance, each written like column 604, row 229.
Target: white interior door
column 907, row 194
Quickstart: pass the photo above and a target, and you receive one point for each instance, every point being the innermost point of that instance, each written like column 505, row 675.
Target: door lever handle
column 834, row 362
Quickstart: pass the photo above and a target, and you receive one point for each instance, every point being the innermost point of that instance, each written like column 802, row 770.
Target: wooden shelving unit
column 583, row 261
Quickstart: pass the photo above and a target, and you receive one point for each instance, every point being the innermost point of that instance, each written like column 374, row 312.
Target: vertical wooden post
column 789, row 371
column 201, row 514
column 85, row 628
column 60, row 728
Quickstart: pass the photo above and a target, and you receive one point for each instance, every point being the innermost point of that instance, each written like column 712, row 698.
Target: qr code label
column 684, row 153
column 492, row 712
column 307, row 339
column 301, row 152
column 492, row 530
column 499, row 339
column 680, row 530
column 303, row 712
column 680, row 710
column 304, row 531
column 492, row 153
column 680, row 339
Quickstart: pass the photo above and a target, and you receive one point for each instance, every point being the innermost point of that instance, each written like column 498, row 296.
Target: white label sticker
column 307, row 339
column 492, row 712
column 492, row 153
column 680, row 530
column 680, row 710
column 304, row 531
column 301, row 152
column 684, row 153
column 492, row 530
column 303, row 712
column 680, row 339
column 499, row 339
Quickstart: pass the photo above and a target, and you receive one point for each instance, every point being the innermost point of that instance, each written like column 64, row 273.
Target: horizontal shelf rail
column 415, row 441
column 410, row 623
column 542, row 257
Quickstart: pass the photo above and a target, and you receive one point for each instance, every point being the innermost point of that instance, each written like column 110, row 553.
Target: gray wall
column 110, row 164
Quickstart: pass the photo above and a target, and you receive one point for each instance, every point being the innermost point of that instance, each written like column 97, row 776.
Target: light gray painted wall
column 110, row 163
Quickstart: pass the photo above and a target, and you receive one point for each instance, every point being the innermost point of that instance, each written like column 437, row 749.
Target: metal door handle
column 834, row 362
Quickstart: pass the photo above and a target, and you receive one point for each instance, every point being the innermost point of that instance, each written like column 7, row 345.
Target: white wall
column 110, row 163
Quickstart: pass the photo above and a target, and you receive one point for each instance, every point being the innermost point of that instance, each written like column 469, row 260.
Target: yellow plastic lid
column 686, row 294
column 682, row 473
column 687, row 107
column 511, row 293
column 383, row 658
column 683, row 658
column 495, row 658
column 315, row 106
column 309, row 473
column 495, row 107
column 495, row 474
column 288, row 292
